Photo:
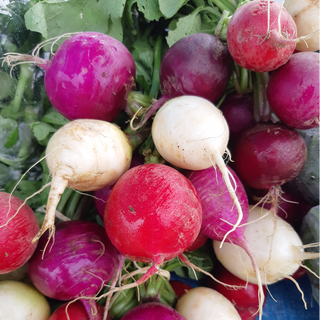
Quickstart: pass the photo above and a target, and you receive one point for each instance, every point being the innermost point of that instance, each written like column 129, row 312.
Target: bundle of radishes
column 217, row 156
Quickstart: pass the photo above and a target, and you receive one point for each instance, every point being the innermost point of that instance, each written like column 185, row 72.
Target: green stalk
column 244, row 80
column 224, row 5
column 262, row 110
column 221, row 23
column 64, row 198
column 72, row 205
column 155, row 84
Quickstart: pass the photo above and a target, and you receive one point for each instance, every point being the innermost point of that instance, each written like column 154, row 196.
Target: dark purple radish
column 88, row 77
column 269, row 155
column 238, row 111
column 153, row 311
column 198, row 65
column 81, row 260
column 256, row 41
column 219, row 213
column 293, row 91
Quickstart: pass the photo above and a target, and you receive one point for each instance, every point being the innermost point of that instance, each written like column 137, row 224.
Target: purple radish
column 88, row 77
column 153, row 311
column 293, row 91
column 197, row 65
column 81, row 261
column 219, row 213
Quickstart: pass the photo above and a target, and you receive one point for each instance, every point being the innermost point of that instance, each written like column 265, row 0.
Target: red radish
column 255, row 39
column 75, row 311
column 88, row 77
column 245, row 299
column 238, row 112
column 219, row 214
column 269, row 155
column 198, row 243
column 18, row 226
column 81, row 261
column 86, row 155
column 152, row 215
column 179, row 287
column 153, row 311
column 198, row 65
column 293, row 91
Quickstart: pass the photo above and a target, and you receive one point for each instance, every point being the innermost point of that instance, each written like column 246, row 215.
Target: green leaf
column 13, row 138
column 54, row 117
column 185, row 26
column 7, row 84
column 169, row 8
column 150, row 9
column 42, row 130
column 52, row 18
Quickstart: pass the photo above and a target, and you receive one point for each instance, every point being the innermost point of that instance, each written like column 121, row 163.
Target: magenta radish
column 18, row 226
column 81, row 261
column 219, row 214
column 293, row 91
column 205, row 303
column 276, row 245
column 152, row 215
column 88, row 77
column 153, row 311
column 191, row 133
column 269, row 155
column 261, row 35
column 198, row 65
column 86, row 155
column 19, row 300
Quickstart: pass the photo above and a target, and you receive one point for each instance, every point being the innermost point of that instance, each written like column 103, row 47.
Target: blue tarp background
column 288, row 304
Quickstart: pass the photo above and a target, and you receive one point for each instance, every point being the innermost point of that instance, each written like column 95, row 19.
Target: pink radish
column 220, row 214
column 261, row 35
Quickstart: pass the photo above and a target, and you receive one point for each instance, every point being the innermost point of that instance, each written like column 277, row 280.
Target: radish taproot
column 261, row 35
column 276, row 246
column 219, row 214
column 293, row 91
column 88, row 77
column 87, row 155
column 191, row 133
column 18, row 226
column 205, row 303
column 152, row 215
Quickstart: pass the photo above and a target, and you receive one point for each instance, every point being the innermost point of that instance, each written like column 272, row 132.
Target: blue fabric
column 289, row 305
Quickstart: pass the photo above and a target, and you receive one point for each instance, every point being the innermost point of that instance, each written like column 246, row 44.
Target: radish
column 86, row 155
column 18, row 226
column 19, row 301
column 152, row 215
column 275, row 244
column 268, row 155
column 88, row 77
column 80, row 262
column 261, row 35
column 306, row 17
column 205, row 303
column 191, row 133
column 198, row 65
column 219, row 214
column 152, row 311
column 293, row 91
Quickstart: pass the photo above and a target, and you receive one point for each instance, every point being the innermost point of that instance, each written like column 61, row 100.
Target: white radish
column 202, row 303
column 19, row 301
column 277, row 247
column 191, row 133
column 86, row 155
column 305, row 14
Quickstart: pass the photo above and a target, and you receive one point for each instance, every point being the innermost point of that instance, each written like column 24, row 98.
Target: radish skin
column 205, row 303
column 191, row 133
column 276, row 245
column 86, row 155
